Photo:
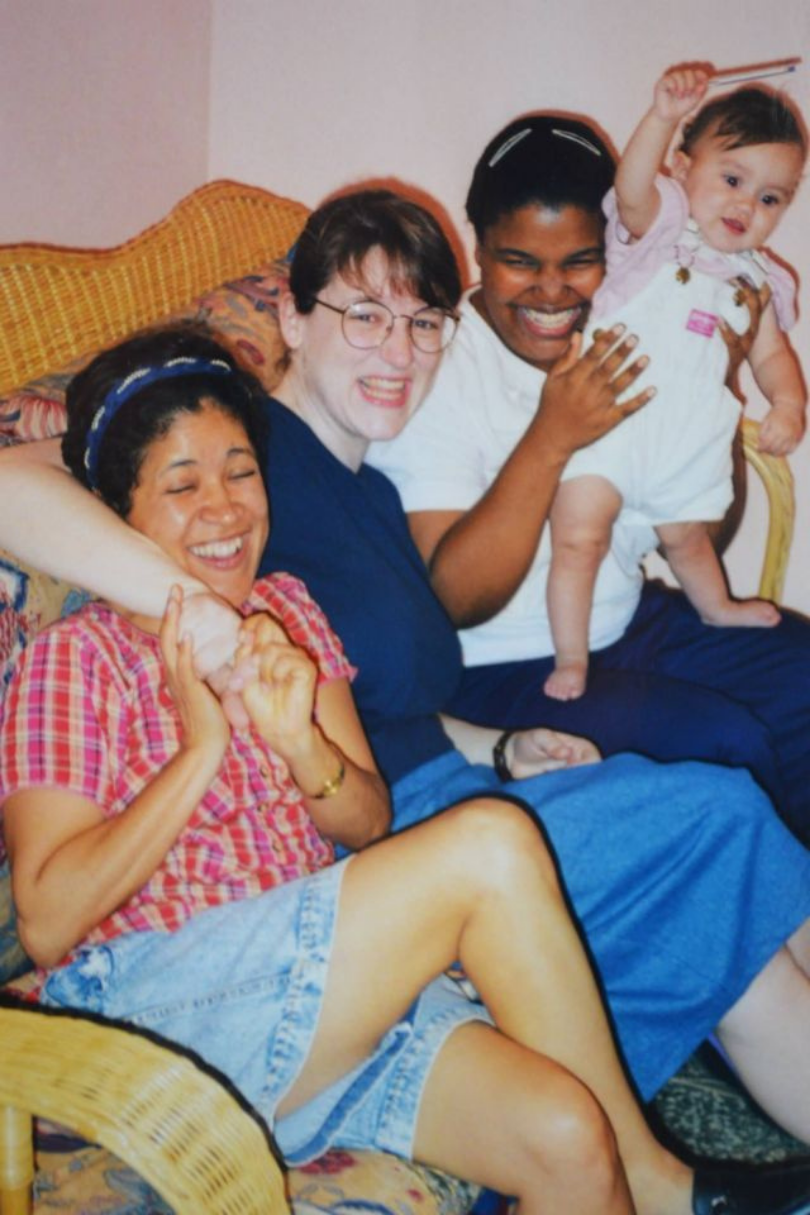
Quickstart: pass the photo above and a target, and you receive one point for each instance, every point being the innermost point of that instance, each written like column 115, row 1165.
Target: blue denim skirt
column 242, row 986
column 681, row 878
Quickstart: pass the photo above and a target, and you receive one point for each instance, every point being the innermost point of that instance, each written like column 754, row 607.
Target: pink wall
column 308, row 95
column 103, row 115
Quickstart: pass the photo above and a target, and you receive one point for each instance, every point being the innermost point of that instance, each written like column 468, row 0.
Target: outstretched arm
column 478, row 558
column 676, row 95
column 527, row 752
column 51, row 522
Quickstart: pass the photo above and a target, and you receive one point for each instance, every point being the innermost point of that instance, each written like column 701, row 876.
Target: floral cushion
column 91, row 1181
column 242, row 313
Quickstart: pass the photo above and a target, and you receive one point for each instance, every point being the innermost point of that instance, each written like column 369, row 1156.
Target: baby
column 675, row 246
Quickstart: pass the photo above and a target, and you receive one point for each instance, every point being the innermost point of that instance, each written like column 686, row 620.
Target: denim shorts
column 242, row 986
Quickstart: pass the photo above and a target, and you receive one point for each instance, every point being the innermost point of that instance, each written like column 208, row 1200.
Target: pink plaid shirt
column 89, row 711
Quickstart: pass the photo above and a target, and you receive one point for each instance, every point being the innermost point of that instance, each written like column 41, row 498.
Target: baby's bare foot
column 567, row 682
column 745, row 614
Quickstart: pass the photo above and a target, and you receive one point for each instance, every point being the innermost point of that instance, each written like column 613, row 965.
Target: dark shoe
column 771, row 1189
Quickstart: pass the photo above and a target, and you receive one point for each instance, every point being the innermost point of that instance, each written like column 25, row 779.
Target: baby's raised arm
column 676, row 95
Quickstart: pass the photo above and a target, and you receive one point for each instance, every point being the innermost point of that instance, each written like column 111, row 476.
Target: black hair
column 150, row 412
column 541, row 160
column 340, row 234
column 744, row 118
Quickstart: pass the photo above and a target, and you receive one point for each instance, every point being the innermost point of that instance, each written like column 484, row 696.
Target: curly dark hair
column 149, row 413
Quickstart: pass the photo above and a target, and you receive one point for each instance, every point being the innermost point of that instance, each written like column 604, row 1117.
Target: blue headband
column 183, row 365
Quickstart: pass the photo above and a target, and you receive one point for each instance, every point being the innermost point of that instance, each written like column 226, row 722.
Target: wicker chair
column 176, row 1125
column 777, row 479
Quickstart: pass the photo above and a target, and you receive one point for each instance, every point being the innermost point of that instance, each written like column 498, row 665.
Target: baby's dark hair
column 544, row 160
column 746, row 117
column 147, row 413
column 342, row 232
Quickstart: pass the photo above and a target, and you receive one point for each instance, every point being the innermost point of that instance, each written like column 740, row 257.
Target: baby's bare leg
column 582, row 518
column 695, row 564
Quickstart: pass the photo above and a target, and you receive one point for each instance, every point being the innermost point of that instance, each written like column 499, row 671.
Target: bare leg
column 582, row 518
column 544, row 1139
column 766, row 1036
column 477, row 883
column 694, row 562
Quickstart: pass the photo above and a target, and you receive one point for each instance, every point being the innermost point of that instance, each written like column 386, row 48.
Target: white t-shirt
column 452, row 450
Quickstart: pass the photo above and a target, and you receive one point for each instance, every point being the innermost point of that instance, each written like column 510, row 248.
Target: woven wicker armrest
column 152, row 1106
column 777, row 479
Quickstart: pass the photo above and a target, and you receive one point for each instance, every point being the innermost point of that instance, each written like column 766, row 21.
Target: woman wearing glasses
column 692, row 895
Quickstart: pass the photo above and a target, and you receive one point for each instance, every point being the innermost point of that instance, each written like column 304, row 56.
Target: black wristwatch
column 499, row 756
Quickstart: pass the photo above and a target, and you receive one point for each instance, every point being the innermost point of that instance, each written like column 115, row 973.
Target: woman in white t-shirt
column 479, row 465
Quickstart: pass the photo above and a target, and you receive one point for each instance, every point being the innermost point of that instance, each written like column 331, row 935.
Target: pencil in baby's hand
column 759, row 71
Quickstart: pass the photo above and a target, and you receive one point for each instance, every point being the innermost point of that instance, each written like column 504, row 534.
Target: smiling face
column 352, row 397
column 738, row 195
column 201, row 498
column 539, row 270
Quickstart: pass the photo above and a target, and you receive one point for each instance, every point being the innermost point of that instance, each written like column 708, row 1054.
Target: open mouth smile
column 556, row 324
column 385, row 391
column 219, row 550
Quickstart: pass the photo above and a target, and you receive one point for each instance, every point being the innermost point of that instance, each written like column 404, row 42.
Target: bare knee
column 494, row 841
column 575, row 1141
column 581, row 550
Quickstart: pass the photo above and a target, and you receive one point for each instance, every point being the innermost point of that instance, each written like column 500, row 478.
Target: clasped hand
column 225, row 671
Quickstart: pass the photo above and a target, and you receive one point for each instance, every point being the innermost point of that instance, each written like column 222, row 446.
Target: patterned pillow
column 242, row 313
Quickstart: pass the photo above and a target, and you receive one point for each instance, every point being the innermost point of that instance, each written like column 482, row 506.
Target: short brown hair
column 341, row 233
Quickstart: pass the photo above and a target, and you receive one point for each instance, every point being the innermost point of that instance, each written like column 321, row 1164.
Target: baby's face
column 738, row 195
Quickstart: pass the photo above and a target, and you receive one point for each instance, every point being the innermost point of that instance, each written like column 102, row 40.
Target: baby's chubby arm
column 778, row 375
column 676, row 94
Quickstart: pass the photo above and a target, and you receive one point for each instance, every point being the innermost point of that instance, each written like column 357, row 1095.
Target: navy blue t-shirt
column 345, row 535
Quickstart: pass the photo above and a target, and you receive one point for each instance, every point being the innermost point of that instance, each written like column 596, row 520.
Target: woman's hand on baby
column 205, row 726
column 541, row 750
column 739, row 344
column 276, row 680
column 583, row 397
column 678, row 92
column 782, row 430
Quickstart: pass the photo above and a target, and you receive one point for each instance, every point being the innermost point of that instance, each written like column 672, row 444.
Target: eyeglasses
column 366, row 324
